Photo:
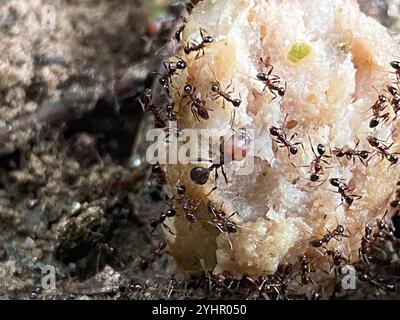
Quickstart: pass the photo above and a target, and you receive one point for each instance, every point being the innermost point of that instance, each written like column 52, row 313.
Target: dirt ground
column 72, row 192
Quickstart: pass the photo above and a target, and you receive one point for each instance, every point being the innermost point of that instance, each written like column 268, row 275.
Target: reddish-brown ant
column 379, row 106
column 382, row 150
column 395, row 101
column 335, row 234
column 220, row 219
column 193, row 47
column 154, row 254
column 145, row 100
column 171, row 68
column 197, row 106
column 272, row 82
column 344, row 191
column 352, row 153
column 280, row 137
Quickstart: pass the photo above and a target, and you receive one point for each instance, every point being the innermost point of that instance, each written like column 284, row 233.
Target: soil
column 72, row 192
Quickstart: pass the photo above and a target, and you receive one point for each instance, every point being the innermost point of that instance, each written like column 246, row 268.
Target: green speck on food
column 298, row 51
column 344, row 47
column 158, row 14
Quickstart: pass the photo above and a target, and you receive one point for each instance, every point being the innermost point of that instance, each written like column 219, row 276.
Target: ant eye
column 321, row 149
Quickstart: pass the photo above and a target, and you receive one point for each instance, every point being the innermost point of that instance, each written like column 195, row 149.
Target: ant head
column 394, row 203
column 186, row 50
column 374, row 122
column 199, row 175
column 392, row 90
column 321, row 149
column 373, row 141
column 364, row 154
column 188, row 88
column 231, row 227
column 334, row 182
column 368, row 229
column 293, row 150
column 181, row 65
column 236, row 103
column 262, row 76
column 215, row 87
column 181, row 190
column 169, row 107
column 303, row 258
column 382, row 98
column 191, row 217
column 317, row 243
column 314, row 177
column 208, row 39
column 163, row 81
column 340, row 229
column 395, row 65
column 162, row 245
column 274, row 131
column 170, row 213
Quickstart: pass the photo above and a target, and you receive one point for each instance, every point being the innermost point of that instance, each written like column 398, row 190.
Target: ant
column 305, row 269
column 221, row 221
column 365, row 241
column 337, row 259
column 197, row 107
column 379, row 106
column 383, row 150
column 171, row 68
column 395, row 101
column 154, row 254
column 338, row 232
column 145, row 100
column 192, row 47
column 352, row 153
column 167, row 214
column 219, row 93
column 344, row 191
column 317, row 163
column 272, row 82
column 171, row 114
column 280, row 137
column 200, row 175
column 396, row 66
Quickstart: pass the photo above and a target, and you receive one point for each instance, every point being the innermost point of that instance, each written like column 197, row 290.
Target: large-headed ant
column 193, row 47
column 334, row 234
column 154, row 254
column 272, row 82
column 379, row 106
column 382, row 150
column 220, row 219
column 197, row 106
column 352, row 153
column 344, row 191
column 280, row 137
